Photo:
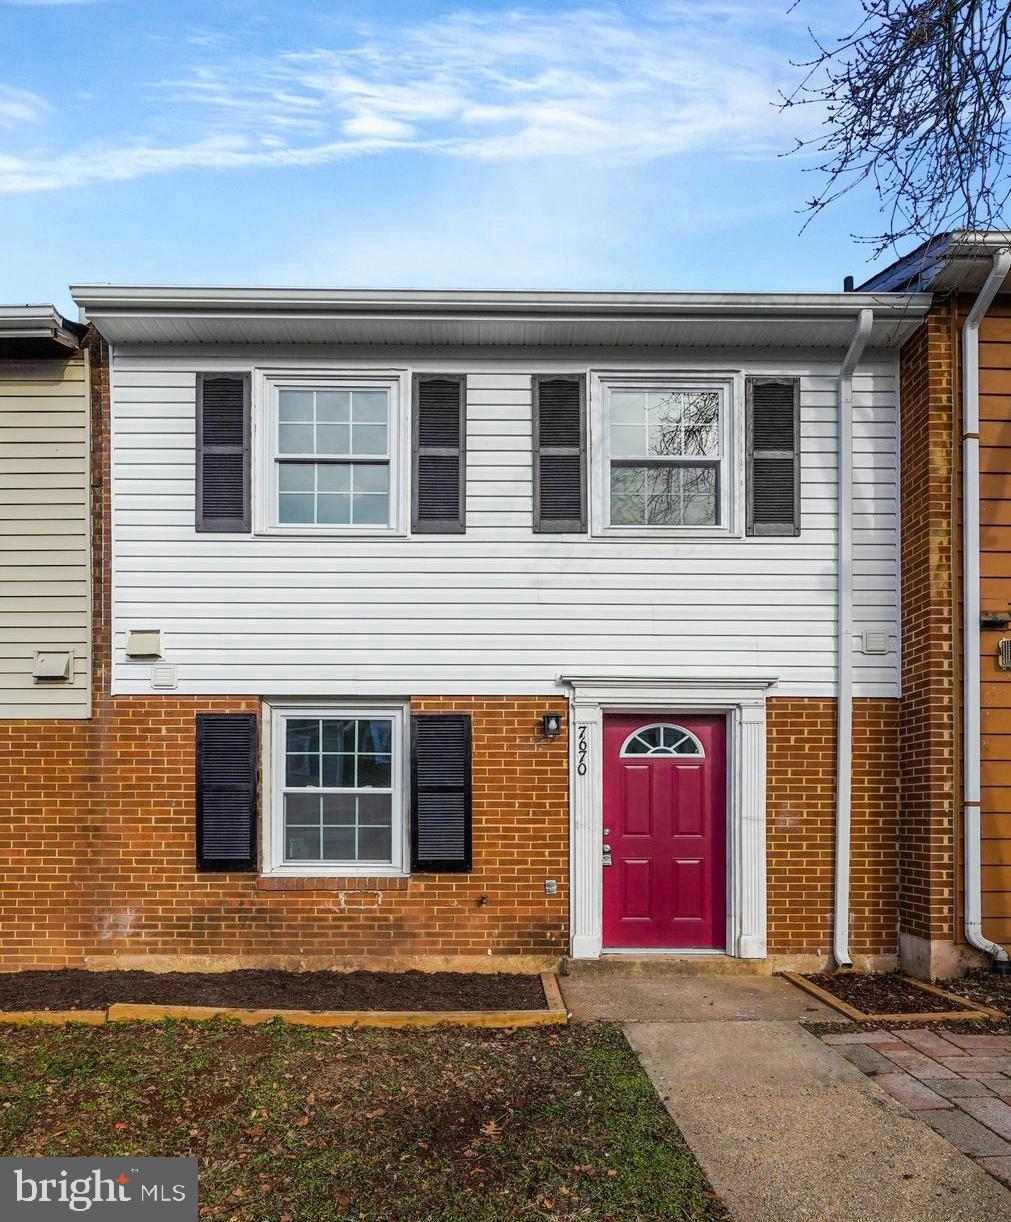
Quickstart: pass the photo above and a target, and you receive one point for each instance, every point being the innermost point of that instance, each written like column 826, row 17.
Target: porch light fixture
column 551, row 724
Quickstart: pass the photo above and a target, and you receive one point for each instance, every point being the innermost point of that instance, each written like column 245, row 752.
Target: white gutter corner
column 844, row 686
column 971, row 608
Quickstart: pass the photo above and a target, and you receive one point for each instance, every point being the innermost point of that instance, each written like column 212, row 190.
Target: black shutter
column 559, row 453
column 440, row 793
column 223, row 429
column 226, row 791
column 773, row 454
column 440, row 454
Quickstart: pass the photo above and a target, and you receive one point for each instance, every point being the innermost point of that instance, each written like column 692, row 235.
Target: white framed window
column 337, row 790
column 665, row 455
column 330, row 454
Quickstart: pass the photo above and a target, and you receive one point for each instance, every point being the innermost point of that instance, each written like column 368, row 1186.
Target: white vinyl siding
column 499, row 609
column 44, row 534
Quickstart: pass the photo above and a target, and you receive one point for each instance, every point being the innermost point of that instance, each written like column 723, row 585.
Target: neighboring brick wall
column 928, row 724
column 48, row 777
column 800, row 816
column 45, row 775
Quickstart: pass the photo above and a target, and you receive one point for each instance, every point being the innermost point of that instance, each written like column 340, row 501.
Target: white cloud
column 21, row 106
column 366, row 124
column 591, row 83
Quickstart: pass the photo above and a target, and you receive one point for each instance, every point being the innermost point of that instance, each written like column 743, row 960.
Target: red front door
column 665, row 825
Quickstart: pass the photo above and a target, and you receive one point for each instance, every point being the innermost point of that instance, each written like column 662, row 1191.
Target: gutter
column 970, row 616
column 158, row 300
column 38, row 323
column 844, row 686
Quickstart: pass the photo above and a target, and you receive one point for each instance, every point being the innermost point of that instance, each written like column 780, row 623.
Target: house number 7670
column 582, row 750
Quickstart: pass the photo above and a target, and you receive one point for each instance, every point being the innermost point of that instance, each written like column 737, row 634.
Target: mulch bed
column 886, row 993
column 982, row 987
column 73, row 989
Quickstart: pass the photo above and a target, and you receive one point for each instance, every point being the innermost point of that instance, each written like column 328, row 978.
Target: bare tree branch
column 915, row 102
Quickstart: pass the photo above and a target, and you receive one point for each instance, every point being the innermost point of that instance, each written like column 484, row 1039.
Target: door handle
column 607, row 855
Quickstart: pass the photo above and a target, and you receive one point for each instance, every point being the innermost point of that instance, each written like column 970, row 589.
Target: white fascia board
column 960, row 259
column 160, row 315
column 37, row 322
column 155, row 300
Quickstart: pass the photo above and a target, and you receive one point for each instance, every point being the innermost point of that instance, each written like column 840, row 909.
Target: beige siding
column 44, row 534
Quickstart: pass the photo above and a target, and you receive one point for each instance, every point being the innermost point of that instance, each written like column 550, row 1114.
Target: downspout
column 844, row 645
column 970, row 615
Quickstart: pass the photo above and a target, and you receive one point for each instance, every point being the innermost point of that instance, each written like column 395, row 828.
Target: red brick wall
column 115, row 800
column 928, row 723
column 800, row 813
column 152, row 901
column 102, row 852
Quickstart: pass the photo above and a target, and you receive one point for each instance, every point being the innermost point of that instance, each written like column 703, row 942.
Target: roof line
column 39, row 322
column 140, row 299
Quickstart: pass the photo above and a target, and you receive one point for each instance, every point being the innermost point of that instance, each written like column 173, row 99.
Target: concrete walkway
column 784, row 1127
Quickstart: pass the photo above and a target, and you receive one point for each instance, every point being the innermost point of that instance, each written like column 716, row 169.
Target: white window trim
column 266, row 384
column 731, row 387
column 272, row 830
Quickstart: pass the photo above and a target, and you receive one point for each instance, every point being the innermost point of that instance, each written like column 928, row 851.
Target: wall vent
column 143, row 643
column 53, row 666
column 163, row 678
column 1004, row 653
column 876, row 642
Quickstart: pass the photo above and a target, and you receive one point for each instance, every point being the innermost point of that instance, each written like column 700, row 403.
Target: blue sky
column 412, row 144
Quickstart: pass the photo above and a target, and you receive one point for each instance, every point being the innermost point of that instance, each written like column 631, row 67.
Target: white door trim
column 742, row 701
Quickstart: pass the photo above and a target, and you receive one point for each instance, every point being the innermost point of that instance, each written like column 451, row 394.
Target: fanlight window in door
column 663, row 740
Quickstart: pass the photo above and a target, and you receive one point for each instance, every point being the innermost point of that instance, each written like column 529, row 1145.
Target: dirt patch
column 73, row 989
column 886, row 993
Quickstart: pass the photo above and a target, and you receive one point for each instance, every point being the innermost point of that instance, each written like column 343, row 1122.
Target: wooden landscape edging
column 555, row 1015
column 53, row 1018
column 969, row 1010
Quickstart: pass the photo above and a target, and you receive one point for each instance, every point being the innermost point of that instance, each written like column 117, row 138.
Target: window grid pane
column 667, row 429
column 333, row 423
column 333, row 494
column 681, row 494
column 338, row 790
column 665, row 424
column 336, row 427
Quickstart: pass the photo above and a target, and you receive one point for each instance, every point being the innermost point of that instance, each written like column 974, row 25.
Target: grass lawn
column 298, row 1123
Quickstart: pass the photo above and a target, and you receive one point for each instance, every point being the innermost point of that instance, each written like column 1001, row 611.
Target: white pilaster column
column 748, row 922
column 586, row 801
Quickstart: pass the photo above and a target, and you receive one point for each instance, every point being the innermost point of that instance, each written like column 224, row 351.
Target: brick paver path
column 959, row 1084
